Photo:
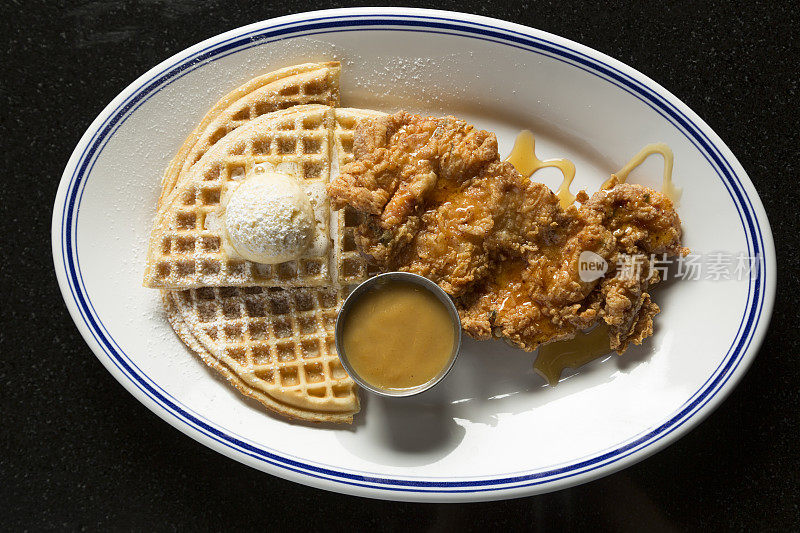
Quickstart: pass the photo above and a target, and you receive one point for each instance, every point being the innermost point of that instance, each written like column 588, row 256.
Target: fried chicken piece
column 626, row 306
column 401, row 163
column 439, row 202
column 641, row 219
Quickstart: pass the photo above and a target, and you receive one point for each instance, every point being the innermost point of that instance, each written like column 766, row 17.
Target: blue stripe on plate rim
column 426, row 23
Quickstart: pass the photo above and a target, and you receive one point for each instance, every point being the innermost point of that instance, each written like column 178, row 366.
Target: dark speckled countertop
column 78, row 452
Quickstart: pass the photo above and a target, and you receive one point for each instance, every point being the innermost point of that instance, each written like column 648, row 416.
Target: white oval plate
column 492, row 429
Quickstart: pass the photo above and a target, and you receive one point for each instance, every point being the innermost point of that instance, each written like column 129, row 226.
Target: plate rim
column 410, row 488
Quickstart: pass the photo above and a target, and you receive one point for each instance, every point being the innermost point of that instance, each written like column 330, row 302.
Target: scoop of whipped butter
column 269, row 218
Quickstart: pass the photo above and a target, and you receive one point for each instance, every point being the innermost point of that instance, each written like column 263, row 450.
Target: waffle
column 184, row 252
column 273, row 345
column 310, row 83
column 351, row 266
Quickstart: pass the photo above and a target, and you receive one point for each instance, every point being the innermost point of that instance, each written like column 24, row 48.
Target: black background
column 77, row 451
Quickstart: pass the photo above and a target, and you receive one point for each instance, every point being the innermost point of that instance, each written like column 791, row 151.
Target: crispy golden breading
column 440, row 203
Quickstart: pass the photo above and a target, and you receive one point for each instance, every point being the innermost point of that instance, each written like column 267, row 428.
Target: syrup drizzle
column 554, row 358
column 523, row 157
column 667, row 187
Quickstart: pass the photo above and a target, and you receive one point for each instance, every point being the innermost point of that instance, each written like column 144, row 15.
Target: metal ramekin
column 408, row 278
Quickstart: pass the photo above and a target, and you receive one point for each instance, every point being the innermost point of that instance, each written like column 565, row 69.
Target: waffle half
column 309, row 83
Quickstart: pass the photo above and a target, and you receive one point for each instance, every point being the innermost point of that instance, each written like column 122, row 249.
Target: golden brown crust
column 640, row 218
column 626, row 304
